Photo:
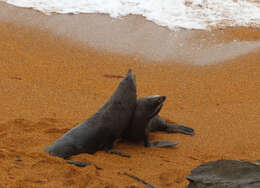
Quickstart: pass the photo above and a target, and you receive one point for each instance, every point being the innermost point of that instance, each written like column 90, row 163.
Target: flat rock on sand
column 225, row 174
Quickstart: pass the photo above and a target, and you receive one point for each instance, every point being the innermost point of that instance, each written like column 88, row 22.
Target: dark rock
column 225, row 174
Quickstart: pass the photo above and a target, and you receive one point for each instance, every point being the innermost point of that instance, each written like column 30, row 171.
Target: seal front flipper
column 175, row 128
column 161, row 144
column 78, row 163
column 118, row 153
column 158, row 144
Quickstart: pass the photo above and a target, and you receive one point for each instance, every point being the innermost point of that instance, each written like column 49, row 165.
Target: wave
column 174, row 14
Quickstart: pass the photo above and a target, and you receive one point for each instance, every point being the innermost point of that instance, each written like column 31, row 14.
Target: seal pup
column 159, row 124
column 101, row 130
column 147, row 108
column 146, row 119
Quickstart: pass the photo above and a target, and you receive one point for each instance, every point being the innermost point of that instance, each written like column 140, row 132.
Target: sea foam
column 174, row 14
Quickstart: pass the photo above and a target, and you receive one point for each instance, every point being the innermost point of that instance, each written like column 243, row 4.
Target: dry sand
column 49, row 83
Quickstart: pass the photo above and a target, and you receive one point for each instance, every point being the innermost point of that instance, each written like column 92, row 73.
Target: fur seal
column 146, row 119
column 101, row 130
column 147, row 108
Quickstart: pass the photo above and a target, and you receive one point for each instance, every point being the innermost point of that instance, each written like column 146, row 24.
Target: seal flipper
column 118, row 153
column 158, row 144
column 78, row 163
column 175, row 128
column 159, row 124
column 161, row 144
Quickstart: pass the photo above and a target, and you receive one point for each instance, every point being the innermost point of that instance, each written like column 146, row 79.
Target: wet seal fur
column 101, row 130
column 146, row 119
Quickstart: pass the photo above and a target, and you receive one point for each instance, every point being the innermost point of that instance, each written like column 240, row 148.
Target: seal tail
column 47, row 149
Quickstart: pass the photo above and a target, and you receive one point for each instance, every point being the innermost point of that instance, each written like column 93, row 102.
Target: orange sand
column 48, row 85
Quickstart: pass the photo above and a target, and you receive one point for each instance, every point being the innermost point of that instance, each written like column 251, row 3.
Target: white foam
column 188, row 14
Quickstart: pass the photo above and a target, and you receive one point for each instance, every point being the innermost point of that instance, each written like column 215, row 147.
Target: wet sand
column 49, row 82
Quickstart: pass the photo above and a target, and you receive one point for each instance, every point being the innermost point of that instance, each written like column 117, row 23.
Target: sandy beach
column 50, row 81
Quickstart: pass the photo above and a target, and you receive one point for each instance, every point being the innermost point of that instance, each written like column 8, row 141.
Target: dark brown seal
column 147, row 108
column 104, row 127
column 146, row 119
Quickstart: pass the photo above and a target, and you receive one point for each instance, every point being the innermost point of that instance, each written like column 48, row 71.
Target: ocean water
column 174, row 14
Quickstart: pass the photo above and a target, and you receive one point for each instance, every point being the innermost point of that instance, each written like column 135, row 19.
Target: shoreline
column 135, row 36
column 49, row 83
